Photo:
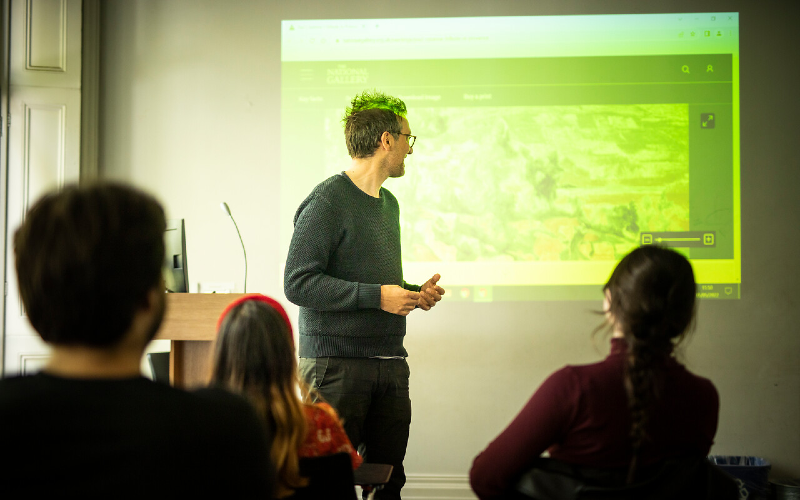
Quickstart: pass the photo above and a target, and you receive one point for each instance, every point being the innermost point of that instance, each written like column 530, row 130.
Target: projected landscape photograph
column 555, row 183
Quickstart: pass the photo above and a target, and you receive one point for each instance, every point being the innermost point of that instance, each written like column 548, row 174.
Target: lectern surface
column 190, row 322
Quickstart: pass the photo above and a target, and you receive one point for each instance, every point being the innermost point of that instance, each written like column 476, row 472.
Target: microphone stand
column 227, row 210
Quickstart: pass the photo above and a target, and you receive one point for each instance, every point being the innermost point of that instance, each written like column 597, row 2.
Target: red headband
column 260, row 298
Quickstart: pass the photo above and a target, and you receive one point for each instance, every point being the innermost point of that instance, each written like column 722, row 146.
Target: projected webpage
column 548, row 147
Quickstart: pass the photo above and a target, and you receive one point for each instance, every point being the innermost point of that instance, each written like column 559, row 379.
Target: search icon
column 685, row 69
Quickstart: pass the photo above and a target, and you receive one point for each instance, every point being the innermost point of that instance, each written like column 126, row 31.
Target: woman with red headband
column 255, row 356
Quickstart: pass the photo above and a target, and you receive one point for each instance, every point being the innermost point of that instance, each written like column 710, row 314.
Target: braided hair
column 651, row 301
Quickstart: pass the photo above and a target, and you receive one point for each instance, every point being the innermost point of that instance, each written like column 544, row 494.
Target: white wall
column 187, row 114
column 190, row 110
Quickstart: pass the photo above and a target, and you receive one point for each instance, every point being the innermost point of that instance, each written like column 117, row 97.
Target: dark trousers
column 371, row 396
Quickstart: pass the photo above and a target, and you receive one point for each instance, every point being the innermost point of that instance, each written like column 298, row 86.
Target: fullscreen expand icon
column 706, row 120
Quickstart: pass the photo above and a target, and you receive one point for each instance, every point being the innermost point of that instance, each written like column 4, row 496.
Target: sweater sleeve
column 317, row 231
column 708, row 426
column 542, row 422
column 413, row 288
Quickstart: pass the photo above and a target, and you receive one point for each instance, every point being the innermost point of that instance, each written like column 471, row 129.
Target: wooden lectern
column 190, row 323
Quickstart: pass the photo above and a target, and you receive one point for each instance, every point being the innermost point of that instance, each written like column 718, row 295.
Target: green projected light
column 548, row 147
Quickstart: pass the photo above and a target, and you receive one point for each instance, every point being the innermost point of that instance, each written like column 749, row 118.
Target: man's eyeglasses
column 411, row 139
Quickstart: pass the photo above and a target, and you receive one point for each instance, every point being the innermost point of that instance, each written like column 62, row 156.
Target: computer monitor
column 176, row 273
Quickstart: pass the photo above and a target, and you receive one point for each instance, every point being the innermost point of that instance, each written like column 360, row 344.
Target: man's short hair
column 369, row 115
column 86, row 257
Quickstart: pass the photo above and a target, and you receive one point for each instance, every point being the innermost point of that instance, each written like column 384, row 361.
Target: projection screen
column 548, row 147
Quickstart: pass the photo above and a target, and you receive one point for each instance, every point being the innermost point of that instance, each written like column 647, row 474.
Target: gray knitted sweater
column 346, row 244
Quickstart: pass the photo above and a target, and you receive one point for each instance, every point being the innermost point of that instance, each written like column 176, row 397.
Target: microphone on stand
column 227, row 210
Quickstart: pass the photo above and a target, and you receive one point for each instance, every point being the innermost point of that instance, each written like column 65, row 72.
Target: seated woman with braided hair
column 255, row 356
column 628, row 413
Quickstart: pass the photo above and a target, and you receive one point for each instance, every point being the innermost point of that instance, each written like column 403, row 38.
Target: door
column 44, row 104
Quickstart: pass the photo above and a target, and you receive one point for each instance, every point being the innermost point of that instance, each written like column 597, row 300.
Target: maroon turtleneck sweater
column 580, row 415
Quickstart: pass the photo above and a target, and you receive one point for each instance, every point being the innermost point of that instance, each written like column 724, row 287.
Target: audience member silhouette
column 636, row 408
column 255, row 356
column 89, row 265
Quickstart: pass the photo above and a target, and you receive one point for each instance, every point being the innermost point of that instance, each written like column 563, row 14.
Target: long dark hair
column 651, row 300
column 255, row 356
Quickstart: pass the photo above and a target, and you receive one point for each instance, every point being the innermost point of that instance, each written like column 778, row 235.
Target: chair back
column 330, row 477
column 159, row 366
column 692, row 478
